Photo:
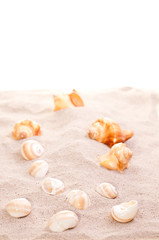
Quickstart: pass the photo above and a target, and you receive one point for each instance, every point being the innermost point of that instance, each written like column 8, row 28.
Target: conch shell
column 78, row 199
column 25, row 129
column 125, row 212
column 31, row 149
column 52, row 186
column 109, row 132
column 62, row 221
column 117, row 158
column 67, row 100
column 19, row 207
column 106, row 190
column 39, row 169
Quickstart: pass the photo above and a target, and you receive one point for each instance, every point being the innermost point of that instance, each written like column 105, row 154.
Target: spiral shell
column 117, row 158
column 78, row 199
column 31, row 149
column 25, row 129
column 19, row 207
column 109, row 132
column 39, row 169
column 106, row 190
column 52, row 186
column 125, row 212
column 62, row 221
column 67, row 100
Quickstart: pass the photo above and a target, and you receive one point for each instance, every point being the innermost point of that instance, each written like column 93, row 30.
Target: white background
column 80, row 44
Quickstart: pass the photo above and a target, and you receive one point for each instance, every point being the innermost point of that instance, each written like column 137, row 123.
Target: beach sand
column 72, row 158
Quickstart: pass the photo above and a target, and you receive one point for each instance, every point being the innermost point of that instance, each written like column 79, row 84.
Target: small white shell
column 62, row 221
column 52, row 186
column 125, row 212
column 39, row 169
column 78, row 199
column 31, row 149
column 19, row 207
column 106, row 190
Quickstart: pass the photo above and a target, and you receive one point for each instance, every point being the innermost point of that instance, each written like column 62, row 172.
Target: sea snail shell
column 19, row 207
column 125, row 212
column 67, row 100
column 31, row 149
column 25, row 129
column 52, row 186
column 106, row 190
column 109, row 132
column 78, row 199
column 62, row 221
column 117, row 158
column 39, row 169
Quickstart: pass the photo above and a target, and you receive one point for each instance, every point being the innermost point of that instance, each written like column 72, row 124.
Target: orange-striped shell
column 19, row 207
column 62, row 221
column 31, row 149
column 39, row 169
column 25, row 129
column 78, row 199
column 106, row 190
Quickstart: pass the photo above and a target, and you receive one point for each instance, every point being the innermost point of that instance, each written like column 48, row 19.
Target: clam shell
column 106, row 190
column 52, row 186
column 31, row 149
column 39, row 169
column 78, row 199
column 19, row 207
column 62, row 221
column 125, row 212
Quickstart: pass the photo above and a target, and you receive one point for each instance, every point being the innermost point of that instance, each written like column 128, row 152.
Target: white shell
column 31, row 149
column 78, row 199
column 39, row 169
column 125, row 212
column 106, row 190
column 62, row 221
column 52, row 186
column 19, row 207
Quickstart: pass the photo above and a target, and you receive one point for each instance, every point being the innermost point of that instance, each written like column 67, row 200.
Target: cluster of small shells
column 103, row 130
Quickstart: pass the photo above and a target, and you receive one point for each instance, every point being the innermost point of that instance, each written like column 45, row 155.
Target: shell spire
column 117, row 158
column 25, row 129
column 108, row 132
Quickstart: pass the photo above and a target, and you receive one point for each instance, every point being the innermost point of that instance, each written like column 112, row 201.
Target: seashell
column 19, row 207
column 62, row 221
column 117, row 158
column 39, row 169
column 52, row 186
column 109, row 132
column 31, row 149
column 125, row 212
column 26, row 128
column 106, row 190
column 67, row 100
column 78, row 199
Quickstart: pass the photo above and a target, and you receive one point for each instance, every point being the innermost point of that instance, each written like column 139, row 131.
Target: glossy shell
column 31, row 149
column 52, row 186
column 62, row 221
column 106, row 190
column 125, row 212
column 78, row 199
column 39, row 169
column 19, row 207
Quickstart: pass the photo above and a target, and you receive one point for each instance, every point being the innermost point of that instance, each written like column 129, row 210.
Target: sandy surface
column 72, row 158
